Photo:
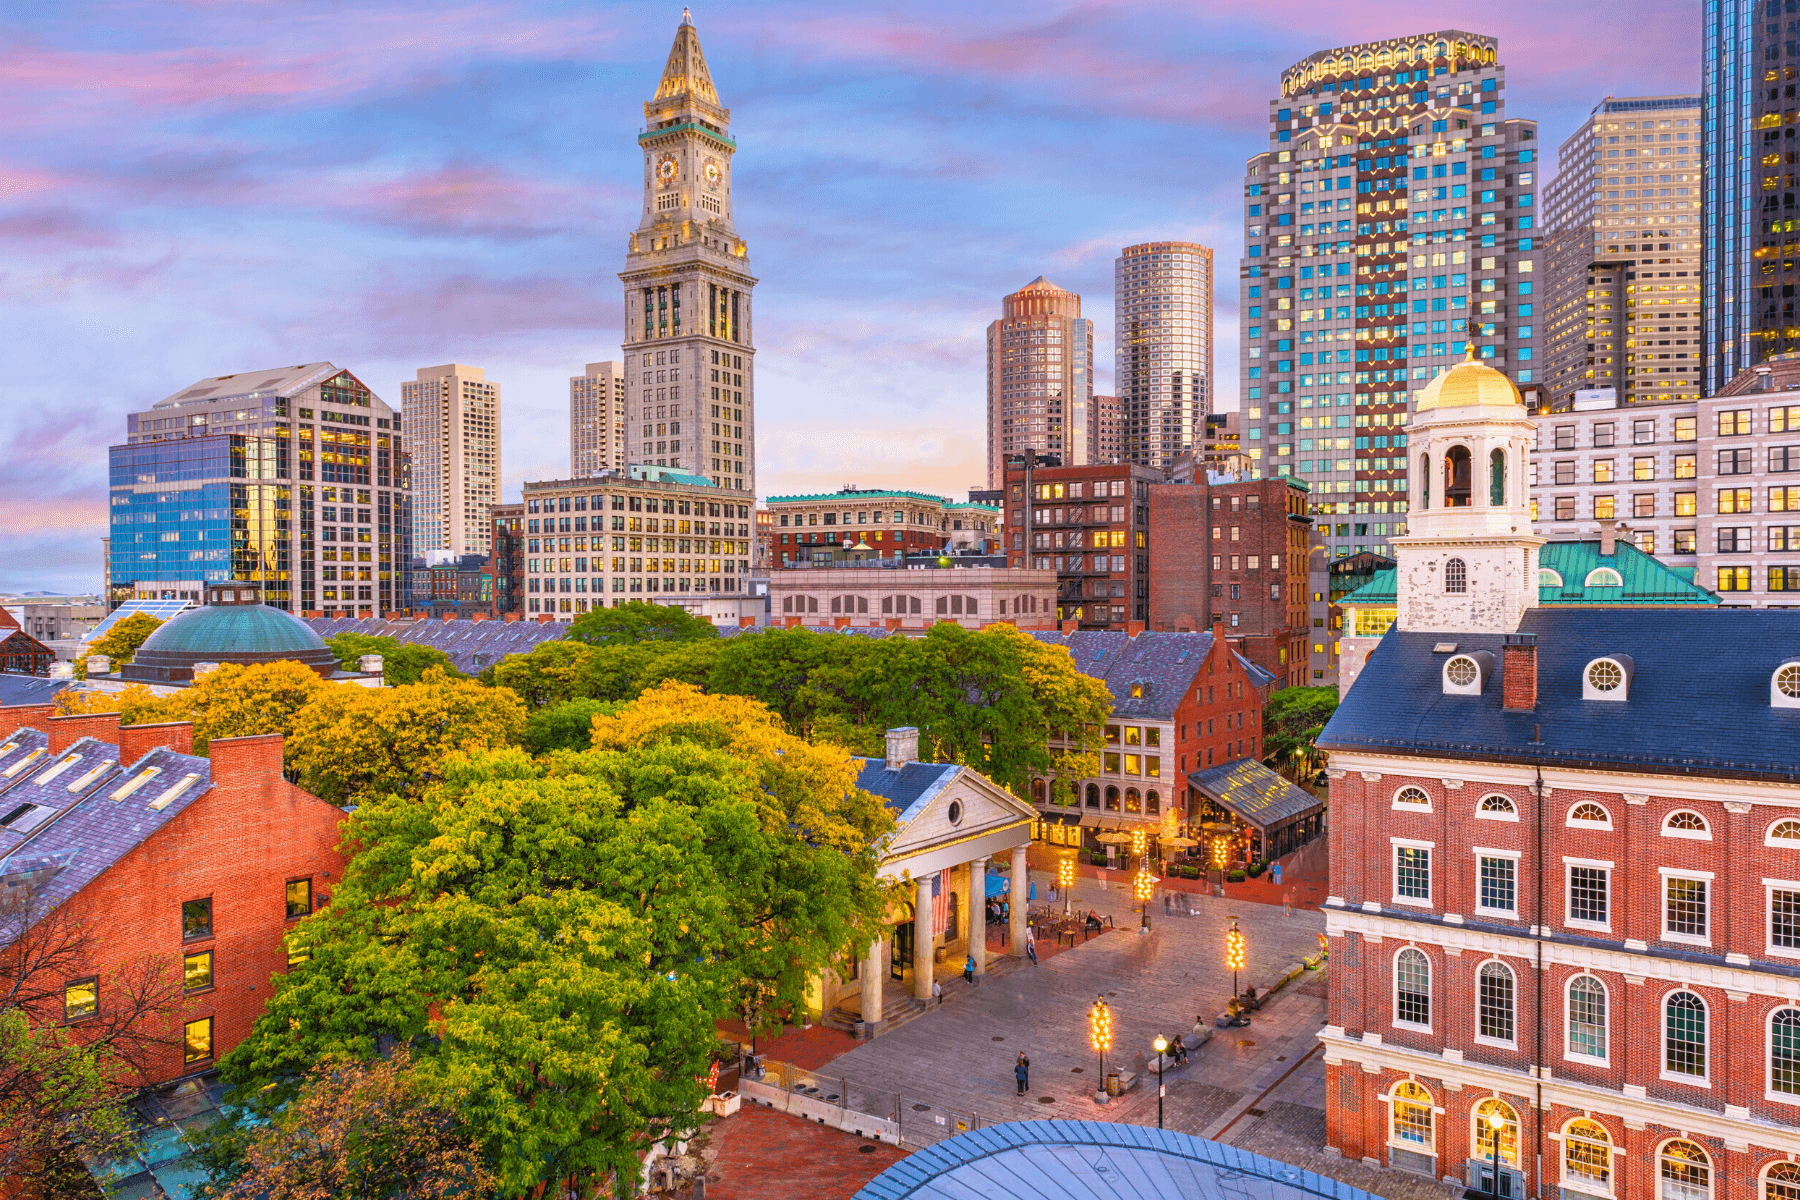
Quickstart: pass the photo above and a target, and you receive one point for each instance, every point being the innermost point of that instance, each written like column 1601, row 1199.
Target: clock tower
column 689, row 358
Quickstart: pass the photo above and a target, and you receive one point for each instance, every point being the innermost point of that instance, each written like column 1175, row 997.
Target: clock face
column 665, row 168
column 713, row 173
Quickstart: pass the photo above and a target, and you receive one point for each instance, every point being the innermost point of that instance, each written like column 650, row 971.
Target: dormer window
column 1588, row 815
column 1466, row 674
column 1603, row 577
column 1137, row 691
column 1684, row 823
column 1784, row 685
column 1607, row 678
column 1549, row 578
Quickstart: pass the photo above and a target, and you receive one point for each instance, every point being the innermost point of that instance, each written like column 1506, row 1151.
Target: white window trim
column 1430, row 988
column 1483, row 815
column 1437, row 1111
column 1771, row 886
column 1481, row 1039
column 1482, row 910
column 1572, row 823
column 1769, row 838
column 1587, row 1059
column 1599, row 864
column 1395, row 803
column 1694, row 835
column 1662, row 1053
column 1395, row 845
column 1581, row 1183
column 1768, row 1041
column 1668, row 935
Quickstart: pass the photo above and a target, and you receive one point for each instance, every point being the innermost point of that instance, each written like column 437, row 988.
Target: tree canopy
column 639, row 621
column 1292, row 721
column 120, row 643
column 401, row 662
column 556, row 937
column 231, row 700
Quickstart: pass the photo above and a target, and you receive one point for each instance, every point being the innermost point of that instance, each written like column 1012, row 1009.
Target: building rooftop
column 1254, row 792
column 905, row 792
column 1570, row 571
column 227, row 629
column 848, row 495
column 275, row 381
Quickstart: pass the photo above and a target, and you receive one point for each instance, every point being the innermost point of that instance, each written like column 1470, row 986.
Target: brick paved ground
column 759, row 1153
column 1304, row 875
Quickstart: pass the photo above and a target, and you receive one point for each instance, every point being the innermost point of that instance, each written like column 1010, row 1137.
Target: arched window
column 1782, row 1182
column 1784, row 686
column 1588, row 815
column 1412, row 797
column 1497, row 478
column 1496, row 807
column 1785, row 832
column 1412, row 987
column 1494, row 1001
column 1685, row 823
column 1587, row 1156
column 1093, row 795
column 1411, row 1120
column 1684, row 1035
column 1456, row 576
column 1587, row 1017
column 1601, row 577
column 1152, row 803
column 1037, row 791
column 1112, row 799
column 1457, row 469
column 1483, row 1130
column 1685, row 1172
column 1424, row 481
column 1132, row 801
column 1549, row 578
column 1784, row 1051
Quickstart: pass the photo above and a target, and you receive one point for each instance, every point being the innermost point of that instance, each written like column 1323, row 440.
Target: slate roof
column 1646, row 579
column 51, row 784
column 1079, row 1160
column 30, row 689
column 1255, row 793
column 1165, row 663
column 1697, row 704
column 905, row 792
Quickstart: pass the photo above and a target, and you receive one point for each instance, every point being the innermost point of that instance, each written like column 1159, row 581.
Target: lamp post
column 1143, row 887
column 1162, row 1043
column 1100, row 1028
column 1496, row 1122
column 1234, row 954
column 1065, row 878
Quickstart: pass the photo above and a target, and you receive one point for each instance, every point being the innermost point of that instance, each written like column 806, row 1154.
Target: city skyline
column 445, row 194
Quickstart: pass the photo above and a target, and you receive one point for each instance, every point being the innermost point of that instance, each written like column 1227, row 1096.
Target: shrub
column 1257, row 868
column 1236, row 876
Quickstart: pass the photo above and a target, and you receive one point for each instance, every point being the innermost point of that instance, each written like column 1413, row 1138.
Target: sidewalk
column 1305, row 877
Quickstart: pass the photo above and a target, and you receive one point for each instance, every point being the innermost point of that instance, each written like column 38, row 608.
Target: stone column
column 874, row 972
column 922, row 939
column 1020, row 901
column 978, row 914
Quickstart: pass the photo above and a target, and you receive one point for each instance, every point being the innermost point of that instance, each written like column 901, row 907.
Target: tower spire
column 685, row 75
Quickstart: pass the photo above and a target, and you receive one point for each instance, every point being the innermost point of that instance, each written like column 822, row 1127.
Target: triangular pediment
column 966, row 806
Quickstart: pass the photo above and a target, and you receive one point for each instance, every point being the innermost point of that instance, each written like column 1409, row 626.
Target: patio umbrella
column 1113, row 838
column 1180, row 842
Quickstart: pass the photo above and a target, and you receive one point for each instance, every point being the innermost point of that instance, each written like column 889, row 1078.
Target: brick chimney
column 14, row 717
column 1609, row 536
column 1519, row 672
column 1133, row 628
column 1071, row 625
column 241, row 761
column 135, row 741
column 66, row 731
column 902, row 746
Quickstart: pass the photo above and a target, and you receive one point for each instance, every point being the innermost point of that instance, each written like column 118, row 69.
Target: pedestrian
column 969, row 970
column 1031, row 945
column 1022, row 1072
column 1179, row 1050
column 937, row 991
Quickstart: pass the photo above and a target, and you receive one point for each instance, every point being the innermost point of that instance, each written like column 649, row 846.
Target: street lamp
column 1234, row 954
column 1143, row 887
column 1100, row 1029
column 1496, row 1122
column 1162, row 1043
column 1065, row 878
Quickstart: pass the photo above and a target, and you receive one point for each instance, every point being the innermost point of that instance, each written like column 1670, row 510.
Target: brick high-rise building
column 1040, row 380
column 1163, row 347
column 451, row 416
column 1391, row 222
column 1091, row 525
column 690, row 382
column 1622, row 303
column 597, row 419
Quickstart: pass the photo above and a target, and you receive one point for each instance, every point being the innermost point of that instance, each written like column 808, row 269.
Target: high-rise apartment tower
column 1622, row 309
column 1041, row 380
column 597, row 419
column 1163, row 347
column 451, row 418
column 689, row 358
column 1391, row 221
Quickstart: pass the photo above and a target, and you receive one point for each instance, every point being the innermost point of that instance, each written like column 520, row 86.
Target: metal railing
column 920, row 1123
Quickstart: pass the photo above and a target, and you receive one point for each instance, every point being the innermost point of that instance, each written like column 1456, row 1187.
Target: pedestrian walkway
column 1305, row 874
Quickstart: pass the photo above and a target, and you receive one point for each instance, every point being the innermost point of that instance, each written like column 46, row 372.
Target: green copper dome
column 228, row 630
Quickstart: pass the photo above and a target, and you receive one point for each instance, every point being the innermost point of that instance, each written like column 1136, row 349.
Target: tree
column 558, row 937
column 120, row 643
column 356, row 1127
column 401, row 662
column 566, row 726
column 1292, row 721
column 551, row 674
column 354, row 743
column 231, row 700
column 639, row 621
column 64, row 1084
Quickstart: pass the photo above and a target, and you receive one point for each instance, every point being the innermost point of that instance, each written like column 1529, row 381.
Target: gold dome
column 1466, row 384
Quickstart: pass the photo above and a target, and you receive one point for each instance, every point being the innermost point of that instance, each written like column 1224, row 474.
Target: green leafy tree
column 565, row 726
column 1292, row 721
column 639, row 621
column 551, row 674
column 120, row 643
column 401, row 662
column 557, row 937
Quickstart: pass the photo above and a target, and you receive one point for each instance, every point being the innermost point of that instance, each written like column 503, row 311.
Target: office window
column 1587, row 1017
column 1603, row 434
column 1412, row 872
column 197, row 971
column 1687, row 429
column 1737, row 462
column 1687, row 466
column 1733, row 579
column 1564, row 474
column 1412, row 985
column 299, row 898
column 1686, row 503
column 1643, row 432
column 1734, row 423
column 1684, row 1035
column 81, row 998
column 1603, row 508
column 1588, row 894
column 1565, row 437
column 1603, row 470
column 197, row 1040
column 1784, row 420
column 1684, row 907
column 1734, row 539
column 1784, row 499
column 1734, row 500
column 1499, row 887
column 1565, row 508
column 1643, row 469
column 1494, row 1002
column 196, row 918
column 1643, row 505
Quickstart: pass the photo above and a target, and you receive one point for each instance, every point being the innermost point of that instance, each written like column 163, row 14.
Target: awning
column 1256, row 794
column 1094, row 820
column 1066, row 816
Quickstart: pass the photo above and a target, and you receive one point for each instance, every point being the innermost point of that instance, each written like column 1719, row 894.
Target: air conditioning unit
column 1478, row 1175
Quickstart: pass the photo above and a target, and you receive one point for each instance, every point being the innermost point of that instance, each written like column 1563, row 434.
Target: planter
column 725, row 1104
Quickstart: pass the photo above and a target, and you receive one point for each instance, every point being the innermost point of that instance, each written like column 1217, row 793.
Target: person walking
column 969, row 970
column 1022, row 1072
column 1031, row 945
column 937, row 991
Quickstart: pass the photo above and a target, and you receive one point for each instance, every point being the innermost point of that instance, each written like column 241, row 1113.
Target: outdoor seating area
column 1050, row 925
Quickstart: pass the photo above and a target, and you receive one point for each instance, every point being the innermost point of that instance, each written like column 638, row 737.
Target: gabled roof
column 30, row 689
column 1646, row 580
column 272, row 381
column 1164, row 664
column 1697, row 702
column 905, row 792
column 52, row 784
column 1254, row 792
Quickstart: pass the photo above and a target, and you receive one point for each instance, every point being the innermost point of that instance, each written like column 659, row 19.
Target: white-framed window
column 1686, row 823
column 1784, row 686
column 1587, row 1157
column 1589, row 893
column 1588, row 815
column 1496, row 992
column 1684, row 1172
column 1603, row 577
column 1411, row 1123
column 1783, row 834
column 1413, row 798
column 1607, row 678
column 1495, row 807
column 1781, row 1181
column 1456, row 576
column 1784, row 917
column 1496, row 882
column 1685, row 1037
column 1412, row 988
column 1687, row 906
column 1412, row 872
column 1586, row 1007
column 1482, row 1131
column 1784, row 1055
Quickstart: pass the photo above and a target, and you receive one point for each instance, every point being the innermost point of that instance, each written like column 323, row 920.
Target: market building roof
column 1255, row 793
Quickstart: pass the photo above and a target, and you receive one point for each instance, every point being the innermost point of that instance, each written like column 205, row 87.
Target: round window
column 955, row 812
column 1461, row 671
column 1604, row 676
column 1788, row 680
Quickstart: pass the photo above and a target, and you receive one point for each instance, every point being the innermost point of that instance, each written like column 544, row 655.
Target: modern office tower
column 1109, row 429
column 451, row 416
column 1752, row 240
column 597, row 419
column 1390, row 223
column 294, row 478
column 690, row 388
column 1163, row 347
column 1622, row 303
column 1041, row 380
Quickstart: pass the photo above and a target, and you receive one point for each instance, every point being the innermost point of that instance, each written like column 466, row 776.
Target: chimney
column 369, row 664
column 1765, row 376
column 902, row 746
column 1071, row 625
column 1609, row 538
column 66, row 731
column 255, row 758
column 1519, row 672
column 1133, row 628
column 135, row 741
column 99, row 664
column 14, row 717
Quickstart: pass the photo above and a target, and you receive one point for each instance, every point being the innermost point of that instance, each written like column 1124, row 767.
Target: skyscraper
column 689, row 366
column 1041, row 380
column 1163, row 347
column 1391, row 220
column 1109, row 430
column 597, row 419
column 1752, row 242
column 451, row 418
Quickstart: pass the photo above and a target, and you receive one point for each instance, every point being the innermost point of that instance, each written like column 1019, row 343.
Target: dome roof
column 232, row 632
column 1468, row 384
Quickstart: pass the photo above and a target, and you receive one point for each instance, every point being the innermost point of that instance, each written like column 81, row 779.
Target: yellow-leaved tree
column 231, row 700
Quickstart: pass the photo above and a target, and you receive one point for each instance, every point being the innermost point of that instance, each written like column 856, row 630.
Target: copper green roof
column 859, row 497
column 1564, row 569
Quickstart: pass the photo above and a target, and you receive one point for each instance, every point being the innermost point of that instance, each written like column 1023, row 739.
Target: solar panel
column 162, row 610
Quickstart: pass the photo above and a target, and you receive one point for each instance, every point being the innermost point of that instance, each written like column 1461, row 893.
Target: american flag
column 940, row 902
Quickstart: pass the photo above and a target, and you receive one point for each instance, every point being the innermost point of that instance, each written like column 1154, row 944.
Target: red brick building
column 203, row 864
column 1231, row 556
column 1091, row 525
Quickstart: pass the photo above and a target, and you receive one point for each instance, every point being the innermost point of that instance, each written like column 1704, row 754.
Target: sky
column 191, row 188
